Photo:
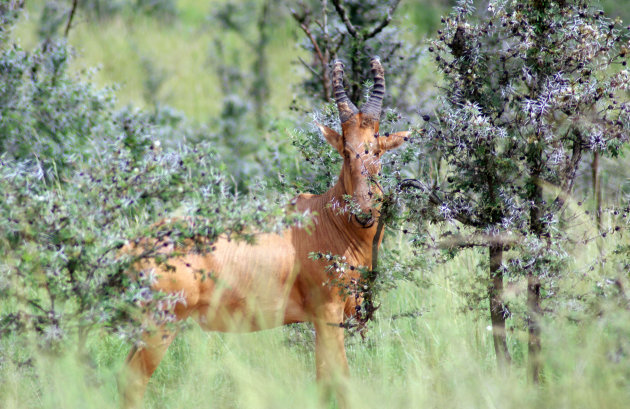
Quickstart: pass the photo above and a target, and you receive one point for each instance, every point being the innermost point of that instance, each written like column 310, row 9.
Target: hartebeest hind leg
column 140, row 365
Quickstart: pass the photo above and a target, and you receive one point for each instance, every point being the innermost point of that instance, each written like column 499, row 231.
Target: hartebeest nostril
column 365, row 219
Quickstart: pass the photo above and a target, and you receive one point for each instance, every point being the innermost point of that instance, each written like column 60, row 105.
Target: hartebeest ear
column 394, row 140
column 332, row 137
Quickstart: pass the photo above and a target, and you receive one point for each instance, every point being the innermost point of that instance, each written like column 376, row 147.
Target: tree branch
column 344, row 17
column 323, row 60
column 434, row 199
column 385, row 21
column 570, row 171
column 478, row 240
column 308, row 67
column 75, row 3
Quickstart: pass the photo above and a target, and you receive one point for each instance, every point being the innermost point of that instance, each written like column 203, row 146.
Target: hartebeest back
column 274, row 282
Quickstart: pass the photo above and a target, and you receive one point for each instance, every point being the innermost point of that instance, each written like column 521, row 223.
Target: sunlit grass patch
column 129, row 50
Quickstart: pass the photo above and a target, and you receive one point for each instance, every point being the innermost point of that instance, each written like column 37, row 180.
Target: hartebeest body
column 274, row 282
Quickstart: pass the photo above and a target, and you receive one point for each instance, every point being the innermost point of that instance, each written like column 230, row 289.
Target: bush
column 79, row 179
column 530, row 89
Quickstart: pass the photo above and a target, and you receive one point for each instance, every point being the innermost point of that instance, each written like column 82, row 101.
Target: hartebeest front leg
column 140, row 365
column 330, row 352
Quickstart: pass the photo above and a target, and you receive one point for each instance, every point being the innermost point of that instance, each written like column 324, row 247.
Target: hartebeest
column 274, row 282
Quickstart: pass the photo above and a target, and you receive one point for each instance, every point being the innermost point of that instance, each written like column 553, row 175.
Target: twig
column 385, row 21
column 323, row 60
column 478, row 240
column 569, row 171
column 309, row 67
column 435, row 200
column 308, row 33
column 344, row 16
column 75, row 3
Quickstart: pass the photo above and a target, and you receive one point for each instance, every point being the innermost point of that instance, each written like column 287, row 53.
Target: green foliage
column 526, row 97
column 79, row 179
column 321, row 163
column 47, row 113
column 9, row 12
column 530, row 88
column 62, row 273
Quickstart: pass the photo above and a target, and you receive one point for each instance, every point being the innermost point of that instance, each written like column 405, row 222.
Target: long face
column 361, row 145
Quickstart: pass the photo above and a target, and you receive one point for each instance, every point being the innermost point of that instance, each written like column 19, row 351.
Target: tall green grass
column 442, row 359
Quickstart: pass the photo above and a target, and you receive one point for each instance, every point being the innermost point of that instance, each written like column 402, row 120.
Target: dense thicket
column 79, row 179
column 530, row 89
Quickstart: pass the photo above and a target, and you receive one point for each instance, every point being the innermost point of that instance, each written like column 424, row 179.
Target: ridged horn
column 372, row 107
column 346, row 108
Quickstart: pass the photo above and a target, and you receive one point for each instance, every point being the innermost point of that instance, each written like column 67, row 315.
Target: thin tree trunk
column 260, row 86
column 497, row 310
column 534, row 365
column 597, row 191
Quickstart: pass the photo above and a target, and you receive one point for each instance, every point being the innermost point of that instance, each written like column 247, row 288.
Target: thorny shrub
column 78, row 180
column 530, row 89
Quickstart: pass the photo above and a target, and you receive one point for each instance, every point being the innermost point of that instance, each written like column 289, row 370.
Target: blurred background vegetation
column 166, row 51
column 200, row 61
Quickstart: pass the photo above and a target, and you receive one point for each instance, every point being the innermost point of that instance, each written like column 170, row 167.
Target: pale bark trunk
column 497, row 309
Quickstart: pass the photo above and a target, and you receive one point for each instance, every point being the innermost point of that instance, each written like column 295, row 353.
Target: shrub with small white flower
column 78, row 180
column 530, row 88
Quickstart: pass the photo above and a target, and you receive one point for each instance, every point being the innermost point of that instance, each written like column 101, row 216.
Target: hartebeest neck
column 333, row 211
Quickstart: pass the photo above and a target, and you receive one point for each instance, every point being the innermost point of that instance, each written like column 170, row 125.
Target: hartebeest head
column 360, row 144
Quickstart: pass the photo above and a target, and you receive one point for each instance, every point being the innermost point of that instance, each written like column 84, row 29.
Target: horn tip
column 375, row 62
